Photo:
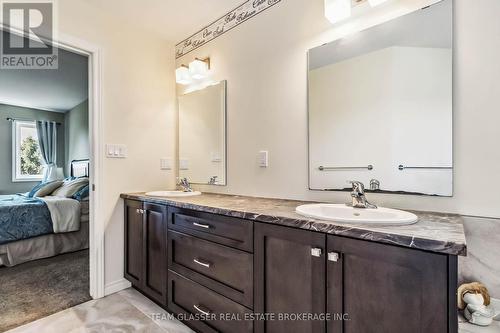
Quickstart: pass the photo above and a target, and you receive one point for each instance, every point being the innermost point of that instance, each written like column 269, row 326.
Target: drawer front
column 223, row 269
column 216, row 313
column 224, row 230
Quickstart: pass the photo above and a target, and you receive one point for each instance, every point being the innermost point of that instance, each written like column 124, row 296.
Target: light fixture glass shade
column 182, row 76
column 374, row 3
column 337, row 10
column 198, row 69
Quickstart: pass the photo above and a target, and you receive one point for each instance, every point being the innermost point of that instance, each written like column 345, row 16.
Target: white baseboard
column 116, row 286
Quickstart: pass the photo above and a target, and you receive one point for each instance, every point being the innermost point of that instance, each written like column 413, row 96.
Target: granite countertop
column 435, row 232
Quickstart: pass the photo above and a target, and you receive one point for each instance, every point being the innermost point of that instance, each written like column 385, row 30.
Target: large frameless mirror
column 202, row 135
column 380, row 106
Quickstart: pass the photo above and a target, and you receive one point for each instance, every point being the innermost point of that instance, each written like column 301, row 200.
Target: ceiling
column 175, row 20
column 57, row 90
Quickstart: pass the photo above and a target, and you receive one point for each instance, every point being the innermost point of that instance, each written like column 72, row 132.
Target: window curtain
column 47, row 140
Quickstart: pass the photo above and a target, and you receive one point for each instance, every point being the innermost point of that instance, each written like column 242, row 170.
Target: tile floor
column 129, row 311
column 126, row 311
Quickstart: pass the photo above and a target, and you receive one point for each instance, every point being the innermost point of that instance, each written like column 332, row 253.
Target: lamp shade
column 198, row 69
column 337, row 10
column 182, row 75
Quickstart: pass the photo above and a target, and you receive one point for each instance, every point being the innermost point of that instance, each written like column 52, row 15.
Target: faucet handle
column 357, row 186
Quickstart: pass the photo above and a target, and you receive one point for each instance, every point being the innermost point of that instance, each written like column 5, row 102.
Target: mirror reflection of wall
column 202, row 135
column 383, row 98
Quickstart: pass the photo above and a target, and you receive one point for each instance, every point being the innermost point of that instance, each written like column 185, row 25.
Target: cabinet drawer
column 224, row 230
column 191, row 299
column 223, row 269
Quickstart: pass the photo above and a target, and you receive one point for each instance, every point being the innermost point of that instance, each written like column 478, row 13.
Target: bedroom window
column 26, row 158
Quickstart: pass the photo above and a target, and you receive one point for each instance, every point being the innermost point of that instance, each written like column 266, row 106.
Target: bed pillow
column 70, row 187
column 44, row 189
column 83, row 193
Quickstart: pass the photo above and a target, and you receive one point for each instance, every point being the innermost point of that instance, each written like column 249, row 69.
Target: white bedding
column 65, row 213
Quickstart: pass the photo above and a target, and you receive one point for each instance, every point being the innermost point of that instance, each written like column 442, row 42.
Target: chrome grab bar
column 324, row 168
column 402, row 167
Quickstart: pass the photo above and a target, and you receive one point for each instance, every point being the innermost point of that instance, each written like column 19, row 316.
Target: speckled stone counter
column 436, row 232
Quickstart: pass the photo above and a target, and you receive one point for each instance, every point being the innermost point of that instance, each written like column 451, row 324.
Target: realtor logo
column 27, row 38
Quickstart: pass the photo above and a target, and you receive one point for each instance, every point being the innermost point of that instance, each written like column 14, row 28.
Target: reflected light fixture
column 199, row 68
column 337, row 10
column 374, row 3
column 183, row 76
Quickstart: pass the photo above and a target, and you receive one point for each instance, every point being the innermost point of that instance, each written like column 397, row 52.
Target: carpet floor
column 40, row 288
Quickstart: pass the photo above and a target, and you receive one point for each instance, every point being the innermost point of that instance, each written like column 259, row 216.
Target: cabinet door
column 289, row 278
column 384, row 288
column 155, row 252
column 134, row 242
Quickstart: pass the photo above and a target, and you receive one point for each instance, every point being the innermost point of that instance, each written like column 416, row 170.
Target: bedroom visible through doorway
column 45, row 204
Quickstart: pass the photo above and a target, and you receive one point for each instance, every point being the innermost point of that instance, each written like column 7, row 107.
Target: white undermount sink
column 172, row 194
column 345, row 214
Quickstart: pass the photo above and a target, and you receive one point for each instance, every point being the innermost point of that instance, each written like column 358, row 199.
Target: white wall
column 138, row 103
column 264, row 61
column 373, row 109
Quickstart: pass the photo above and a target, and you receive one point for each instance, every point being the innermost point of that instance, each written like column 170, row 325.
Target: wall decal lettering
column 227, row 22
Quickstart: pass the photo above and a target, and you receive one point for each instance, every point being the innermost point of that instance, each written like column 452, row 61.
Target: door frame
column 96, row 222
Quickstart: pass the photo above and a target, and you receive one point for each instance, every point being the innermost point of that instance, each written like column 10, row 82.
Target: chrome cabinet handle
column 316, row 252
column 139, row 211
column 197, row 307
column 333, row 256
column 201, row 263
column 206, row 226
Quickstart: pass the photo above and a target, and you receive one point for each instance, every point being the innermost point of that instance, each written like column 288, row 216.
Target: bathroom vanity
column 243, row 264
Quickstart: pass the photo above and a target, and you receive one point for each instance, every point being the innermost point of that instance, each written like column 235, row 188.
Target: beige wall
column 264, row 62
column 138, row 97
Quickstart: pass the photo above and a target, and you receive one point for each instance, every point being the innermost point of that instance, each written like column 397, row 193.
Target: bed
column 35, row 228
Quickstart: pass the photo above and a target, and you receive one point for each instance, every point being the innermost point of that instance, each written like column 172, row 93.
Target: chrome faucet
column 185, row 185
column 358, row 196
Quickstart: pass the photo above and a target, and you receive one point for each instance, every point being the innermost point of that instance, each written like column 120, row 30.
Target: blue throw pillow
column 82, row 193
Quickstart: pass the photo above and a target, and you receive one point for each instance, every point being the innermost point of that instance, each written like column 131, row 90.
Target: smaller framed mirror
column 202, row 135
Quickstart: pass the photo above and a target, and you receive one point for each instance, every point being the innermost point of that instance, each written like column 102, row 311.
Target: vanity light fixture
column 337, row 10
column 183, row 76
column 199, row 68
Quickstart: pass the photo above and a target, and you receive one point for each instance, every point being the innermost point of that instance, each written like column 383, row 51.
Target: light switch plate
column 165, row 164
column 183, row 164
column 116, row 151
column 263, row 158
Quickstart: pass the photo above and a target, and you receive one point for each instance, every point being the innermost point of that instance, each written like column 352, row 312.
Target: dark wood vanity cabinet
column 382, row 288
column 360, row 286
column 289, row 278
column 145, row 248
column 228, row 272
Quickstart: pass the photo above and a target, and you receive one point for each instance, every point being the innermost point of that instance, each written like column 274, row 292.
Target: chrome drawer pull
column 333, row 256
column 206, row 226
column 204, row 264
column 197, row 307
column 139, row 211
